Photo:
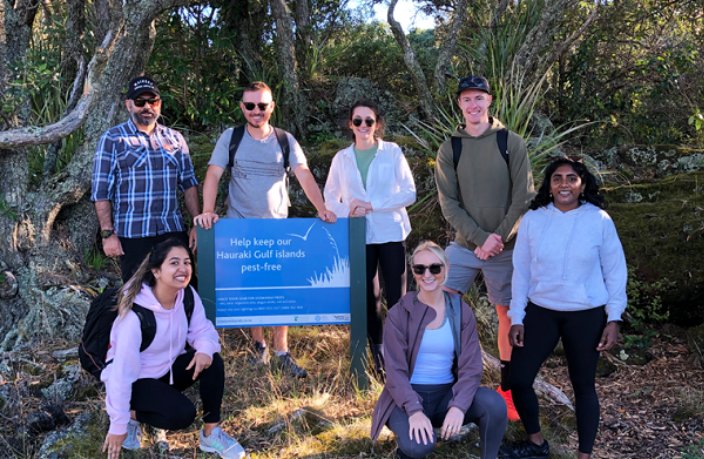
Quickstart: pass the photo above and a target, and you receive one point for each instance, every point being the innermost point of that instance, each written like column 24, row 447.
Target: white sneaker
column 134, row 436
column 222, row 444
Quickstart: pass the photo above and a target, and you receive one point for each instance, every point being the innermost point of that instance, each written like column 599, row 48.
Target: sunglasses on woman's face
column 143, row 102
column 358, row 122
column 435, row 269
column 250, row 106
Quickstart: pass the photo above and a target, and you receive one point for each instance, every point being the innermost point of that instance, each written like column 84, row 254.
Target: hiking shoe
column 287, row 363
column 220, row 443
column 134, row 436
column 524, row 450
column 510, row 407
column 260, row 355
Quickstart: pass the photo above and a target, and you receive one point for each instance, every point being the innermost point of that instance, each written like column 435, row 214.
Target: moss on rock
column 661, row 225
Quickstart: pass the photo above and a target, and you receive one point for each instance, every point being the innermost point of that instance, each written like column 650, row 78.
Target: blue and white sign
column 293, row 271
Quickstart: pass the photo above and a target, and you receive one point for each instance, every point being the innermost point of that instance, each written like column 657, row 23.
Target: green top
column 364, row 159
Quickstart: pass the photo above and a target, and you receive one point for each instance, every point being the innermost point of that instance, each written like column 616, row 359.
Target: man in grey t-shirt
column 257, row 189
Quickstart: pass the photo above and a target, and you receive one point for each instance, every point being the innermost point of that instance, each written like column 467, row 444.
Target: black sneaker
column 260, row 355
column 288, row 364
column 524, row 450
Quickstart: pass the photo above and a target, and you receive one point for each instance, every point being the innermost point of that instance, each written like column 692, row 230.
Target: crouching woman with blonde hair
column 434, row 367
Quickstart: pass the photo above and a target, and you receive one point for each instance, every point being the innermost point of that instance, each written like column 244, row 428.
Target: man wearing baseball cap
column 138, row 169
column 485, row 185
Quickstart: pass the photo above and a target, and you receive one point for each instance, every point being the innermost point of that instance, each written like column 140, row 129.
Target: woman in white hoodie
column 569, row 283
column 371, row 179
column 146, row 387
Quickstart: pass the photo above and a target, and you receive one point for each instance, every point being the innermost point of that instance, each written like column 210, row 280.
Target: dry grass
column 326, row 416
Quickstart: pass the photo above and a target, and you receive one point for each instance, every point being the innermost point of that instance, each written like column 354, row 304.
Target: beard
column 145, row 117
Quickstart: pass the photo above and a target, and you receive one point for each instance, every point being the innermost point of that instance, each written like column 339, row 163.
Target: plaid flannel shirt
column 140, row 174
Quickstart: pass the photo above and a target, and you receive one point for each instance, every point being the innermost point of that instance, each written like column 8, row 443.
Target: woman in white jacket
column 146, row 387
column 569, row 284
column 371, row 179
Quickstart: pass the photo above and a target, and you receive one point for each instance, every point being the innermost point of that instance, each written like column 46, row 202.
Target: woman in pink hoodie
column 146, row 387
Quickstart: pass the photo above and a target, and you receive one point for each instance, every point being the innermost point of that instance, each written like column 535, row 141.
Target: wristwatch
column 106, row 233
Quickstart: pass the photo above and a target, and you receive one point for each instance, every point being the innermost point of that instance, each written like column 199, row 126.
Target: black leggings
column 164, row 406
column 390, row 259
column 580, row 332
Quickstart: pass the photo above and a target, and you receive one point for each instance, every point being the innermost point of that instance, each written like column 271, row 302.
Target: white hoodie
column 129, row 365
column 568, row 261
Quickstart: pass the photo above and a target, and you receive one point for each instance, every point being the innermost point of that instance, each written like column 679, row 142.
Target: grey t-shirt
column 257, row 187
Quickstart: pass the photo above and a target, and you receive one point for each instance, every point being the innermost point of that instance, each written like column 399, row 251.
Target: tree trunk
column 295, row 106
column 304, row 39
column 449, row 44
column 409, row 57
column 45, row 229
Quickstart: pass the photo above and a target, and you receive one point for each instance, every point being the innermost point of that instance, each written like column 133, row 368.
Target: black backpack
column 238, row 133
column 102, row 312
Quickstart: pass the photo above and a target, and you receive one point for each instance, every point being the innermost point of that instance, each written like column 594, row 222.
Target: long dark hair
column 144, row 274
column 590, row 194
column 380, row 123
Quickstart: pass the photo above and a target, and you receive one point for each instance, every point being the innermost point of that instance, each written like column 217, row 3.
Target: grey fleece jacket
column 484, row 195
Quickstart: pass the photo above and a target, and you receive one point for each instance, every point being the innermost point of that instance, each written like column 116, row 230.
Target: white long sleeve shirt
column 568, row 261
column 390, row 188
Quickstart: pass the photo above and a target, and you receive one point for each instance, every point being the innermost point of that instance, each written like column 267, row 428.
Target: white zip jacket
column 390, row 188
column 568, row 261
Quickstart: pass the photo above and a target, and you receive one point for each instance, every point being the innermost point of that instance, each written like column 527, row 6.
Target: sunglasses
column 358, row 122
column 435, row 268
column 250, row 106
column 143, row 102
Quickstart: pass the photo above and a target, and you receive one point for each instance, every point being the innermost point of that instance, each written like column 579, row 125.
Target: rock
column 8, row 285
column 65, row 354
column 58, row 444
column 63, row 388
column 47, row 419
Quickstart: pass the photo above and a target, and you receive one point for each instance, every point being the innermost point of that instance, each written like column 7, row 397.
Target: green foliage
column 198, row 69
column 694, row 451
column 640, row 68
column 95, row 259
column 7, row 211
column 645, row 304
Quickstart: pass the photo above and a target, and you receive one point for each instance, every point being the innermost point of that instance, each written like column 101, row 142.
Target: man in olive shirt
column 483, row 193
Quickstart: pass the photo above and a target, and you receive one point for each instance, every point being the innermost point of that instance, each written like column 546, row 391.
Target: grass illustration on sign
column 338, row 275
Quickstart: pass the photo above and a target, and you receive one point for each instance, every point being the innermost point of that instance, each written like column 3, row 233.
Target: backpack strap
column 188, row 303
column 147, row 320
column 282, row 138
column 237, row 134
column 147, row 323
column 502, row 142
column 456, row 150
column 236, row 139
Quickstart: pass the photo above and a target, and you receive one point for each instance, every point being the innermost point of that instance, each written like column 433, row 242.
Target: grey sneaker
column 260, row 355
column 287, row 363
column 134, row 436
column 220, row 443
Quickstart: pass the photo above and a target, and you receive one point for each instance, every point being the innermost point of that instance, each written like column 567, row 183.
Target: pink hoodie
column 129, row 365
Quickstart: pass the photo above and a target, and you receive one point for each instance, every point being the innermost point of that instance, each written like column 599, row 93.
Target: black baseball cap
column 141, row 85
column 473, row 82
